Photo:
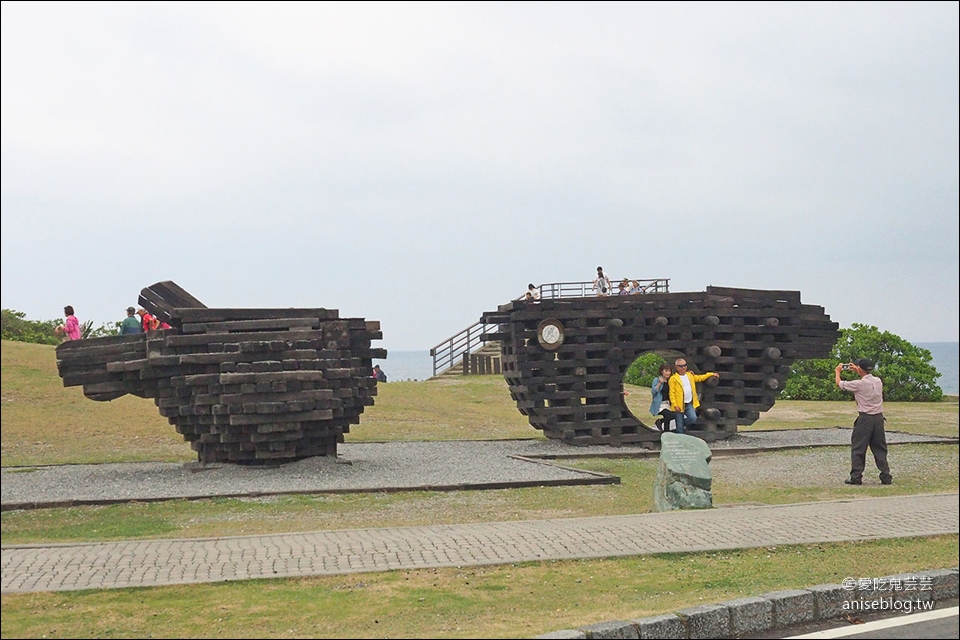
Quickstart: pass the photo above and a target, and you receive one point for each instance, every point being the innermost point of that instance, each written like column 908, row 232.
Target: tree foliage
column 905, row 369
column 644, row 369
column 87, row 330
column 15, row 326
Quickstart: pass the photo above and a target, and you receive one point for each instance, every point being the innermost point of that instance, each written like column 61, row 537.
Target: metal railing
column 449, row 352
column 585, row 289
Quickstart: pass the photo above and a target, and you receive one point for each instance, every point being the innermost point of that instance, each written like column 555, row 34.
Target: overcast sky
column 419, row 164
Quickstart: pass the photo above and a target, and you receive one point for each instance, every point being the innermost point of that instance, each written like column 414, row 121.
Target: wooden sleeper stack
column 564, row 359
column 250, row 386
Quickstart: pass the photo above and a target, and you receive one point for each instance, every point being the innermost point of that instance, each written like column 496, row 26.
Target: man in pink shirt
column 868, row 428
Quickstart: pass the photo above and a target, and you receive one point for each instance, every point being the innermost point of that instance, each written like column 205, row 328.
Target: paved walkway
column 161, row 562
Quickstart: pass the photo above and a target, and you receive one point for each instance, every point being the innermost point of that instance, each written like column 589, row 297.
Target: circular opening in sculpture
column 637, row 381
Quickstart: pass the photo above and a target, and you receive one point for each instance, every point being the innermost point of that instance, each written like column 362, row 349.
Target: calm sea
column 406, row 365
column 417, row 365
column 945, row 359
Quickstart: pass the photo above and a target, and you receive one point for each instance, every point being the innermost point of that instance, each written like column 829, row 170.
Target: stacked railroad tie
column 564, row 359
column 248, row 386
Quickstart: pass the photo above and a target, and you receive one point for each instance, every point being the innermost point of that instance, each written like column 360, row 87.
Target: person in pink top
column 868, row 428
column 71, row 328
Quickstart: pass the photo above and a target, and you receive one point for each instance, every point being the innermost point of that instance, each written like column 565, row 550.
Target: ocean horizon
column 406, row 365
column 418, row 365
column 947, row 362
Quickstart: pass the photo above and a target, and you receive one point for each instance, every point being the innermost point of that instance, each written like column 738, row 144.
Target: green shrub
column 87, row 330
column 906, row 370
column 15, row 326
column 644, row 369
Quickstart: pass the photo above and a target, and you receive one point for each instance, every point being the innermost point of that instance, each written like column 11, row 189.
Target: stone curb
column 774, row 610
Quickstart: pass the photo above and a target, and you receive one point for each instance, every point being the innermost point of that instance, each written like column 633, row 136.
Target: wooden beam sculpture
column 564, row 359
column 248, row 386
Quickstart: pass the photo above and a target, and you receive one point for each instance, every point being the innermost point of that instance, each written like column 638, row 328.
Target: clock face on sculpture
column 550, row 334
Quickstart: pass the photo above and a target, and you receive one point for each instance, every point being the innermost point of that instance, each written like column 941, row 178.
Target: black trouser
column 868, row 432
column 667, row 416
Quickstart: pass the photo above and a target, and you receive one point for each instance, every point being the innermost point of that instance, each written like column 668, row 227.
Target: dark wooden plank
column 260, row 418
column 109, row 341
column 161, row 298
column 176, row 341
column 251, row 325
column 223, row 315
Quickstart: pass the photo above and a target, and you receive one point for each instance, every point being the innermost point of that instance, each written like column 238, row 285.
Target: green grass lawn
column 43, row 423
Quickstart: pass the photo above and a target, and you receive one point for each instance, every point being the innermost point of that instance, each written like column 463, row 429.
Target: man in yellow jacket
column 683, row 393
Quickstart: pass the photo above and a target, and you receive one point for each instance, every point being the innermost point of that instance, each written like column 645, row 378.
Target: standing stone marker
column 683, row 475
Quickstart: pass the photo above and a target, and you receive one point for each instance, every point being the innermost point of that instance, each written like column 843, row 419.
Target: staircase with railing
column 449, row 354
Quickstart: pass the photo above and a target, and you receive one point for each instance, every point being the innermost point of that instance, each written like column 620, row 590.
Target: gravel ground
column 805, row 468
column 404, row 466
column 783, row 438
column 360, row 467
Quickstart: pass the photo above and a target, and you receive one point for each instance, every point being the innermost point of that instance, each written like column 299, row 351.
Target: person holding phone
column 868, row 427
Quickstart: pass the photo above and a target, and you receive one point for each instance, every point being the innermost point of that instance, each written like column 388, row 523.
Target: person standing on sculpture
column 147, row 321
column 130, row 324
column 71, row 327
column 660, row 393
column 683, row 393
column 601, row 284
column 868, row 428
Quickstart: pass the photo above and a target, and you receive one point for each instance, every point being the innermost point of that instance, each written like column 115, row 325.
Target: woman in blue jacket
column 660, row 406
